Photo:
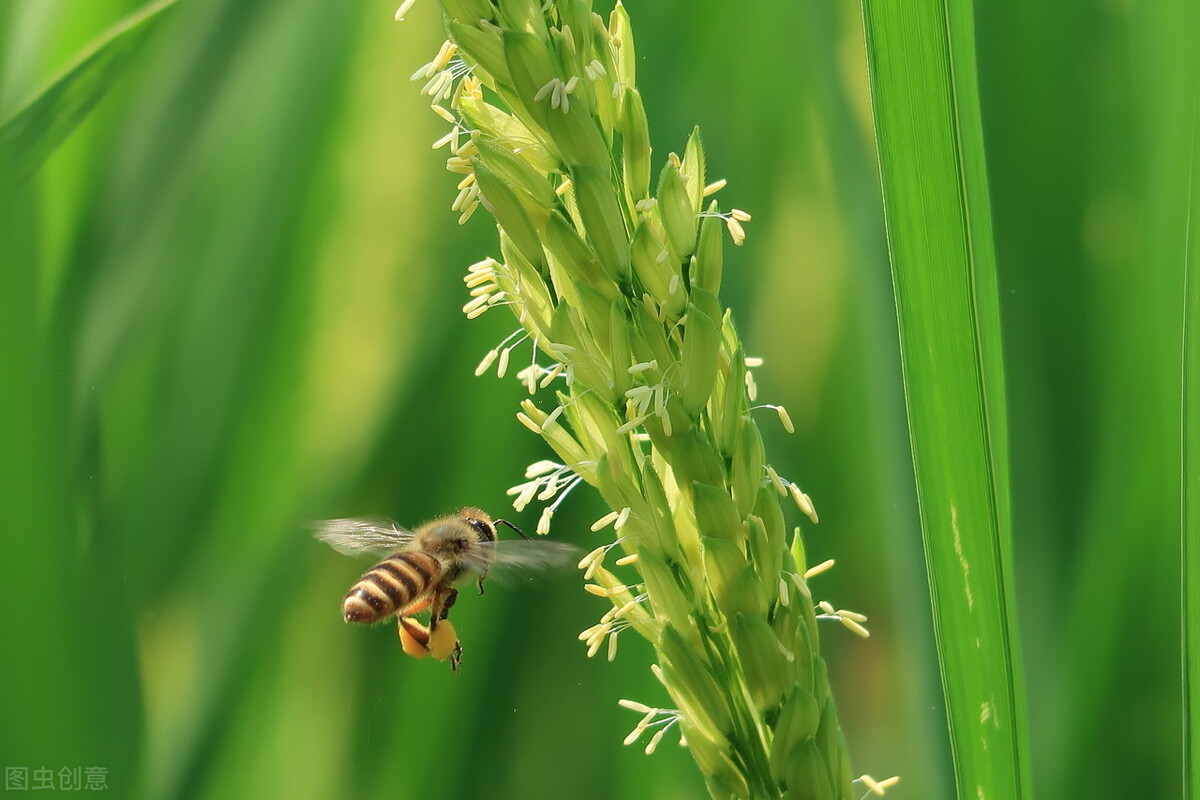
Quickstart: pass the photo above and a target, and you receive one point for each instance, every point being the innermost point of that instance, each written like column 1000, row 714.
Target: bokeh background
column 232, row 305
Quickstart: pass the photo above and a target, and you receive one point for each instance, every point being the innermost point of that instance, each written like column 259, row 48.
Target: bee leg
column 451, row 599
column 415, row 608
column 439, row 610
column 439, row 607
column 480, row 583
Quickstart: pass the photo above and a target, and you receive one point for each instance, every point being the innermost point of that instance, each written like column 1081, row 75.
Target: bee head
column 480, row 522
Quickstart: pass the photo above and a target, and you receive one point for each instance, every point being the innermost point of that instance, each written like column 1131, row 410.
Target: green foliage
column 926, row 103
column 1191, row 480
column 30, row 135
column 228, row 305
column 1190, row 433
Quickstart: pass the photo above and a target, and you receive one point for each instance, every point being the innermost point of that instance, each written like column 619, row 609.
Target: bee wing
column 366, row 537
column 512, row 559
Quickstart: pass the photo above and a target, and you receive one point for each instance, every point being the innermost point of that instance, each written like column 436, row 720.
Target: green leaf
column 927, row 122
column 1191, row 467
column 30, row 135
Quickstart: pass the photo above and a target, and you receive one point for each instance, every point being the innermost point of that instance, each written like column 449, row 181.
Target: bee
column 421, row 568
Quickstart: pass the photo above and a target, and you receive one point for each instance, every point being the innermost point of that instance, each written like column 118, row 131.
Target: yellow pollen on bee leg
column 443, row 640
column 414, row 638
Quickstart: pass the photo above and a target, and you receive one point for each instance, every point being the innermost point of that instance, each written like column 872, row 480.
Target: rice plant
column 615, row 287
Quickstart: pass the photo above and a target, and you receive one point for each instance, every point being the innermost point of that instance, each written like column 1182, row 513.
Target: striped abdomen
column 390, row 586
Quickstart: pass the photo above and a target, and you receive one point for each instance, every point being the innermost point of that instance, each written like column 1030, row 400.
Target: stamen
column 551, row 374
column 854, row 626
column 634, row 705
column 607, row 519
column 552, row 417
column 656, row 738
column 824, row 566
column 592, row 557
column 751, row 387
column 403, row 9
column 737, row 234
column 804, row 502
column 474, row 304
column 543, row 467
column 629, row 426
column 622, row 518
column 776, row 481
column 486, row 363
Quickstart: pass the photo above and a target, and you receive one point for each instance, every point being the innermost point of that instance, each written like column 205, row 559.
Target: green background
column 230, row 304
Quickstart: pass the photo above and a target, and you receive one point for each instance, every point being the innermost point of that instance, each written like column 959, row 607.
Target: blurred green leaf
column 928, row 129
column 33, row 132
column 1191, row 477
column 1191, row 450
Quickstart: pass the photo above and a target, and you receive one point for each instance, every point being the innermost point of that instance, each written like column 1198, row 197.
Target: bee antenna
column 524, row 535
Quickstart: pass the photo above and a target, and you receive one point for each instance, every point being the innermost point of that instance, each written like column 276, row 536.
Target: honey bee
column 420, row 569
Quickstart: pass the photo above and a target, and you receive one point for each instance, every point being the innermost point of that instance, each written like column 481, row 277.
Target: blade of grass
column 31, row 134
column 1190, row 434
column 1190, row 540
column 1139, row 170
column 928, row 131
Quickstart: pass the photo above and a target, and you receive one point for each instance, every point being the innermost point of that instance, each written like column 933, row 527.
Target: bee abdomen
column 389, row 586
